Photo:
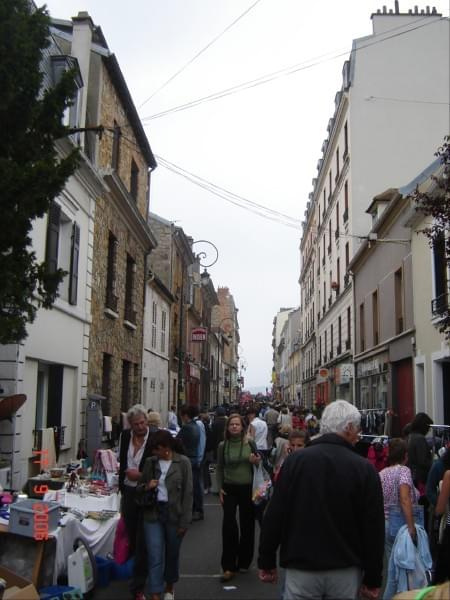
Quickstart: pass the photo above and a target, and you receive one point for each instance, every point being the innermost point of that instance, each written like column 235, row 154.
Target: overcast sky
column 262, row 143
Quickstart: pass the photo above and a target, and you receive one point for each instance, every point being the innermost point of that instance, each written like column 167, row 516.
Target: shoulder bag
column 147, row 498
column 397, row 518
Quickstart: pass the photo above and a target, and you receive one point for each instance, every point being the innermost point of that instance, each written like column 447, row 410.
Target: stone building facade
column 122, row 237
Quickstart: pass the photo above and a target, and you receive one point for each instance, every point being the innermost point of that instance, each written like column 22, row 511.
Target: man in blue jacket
column 327, row 517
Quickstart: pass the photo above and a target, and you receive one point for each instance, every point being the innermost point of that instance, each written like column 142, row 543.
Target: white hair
column 338, row 415
column 136, row 411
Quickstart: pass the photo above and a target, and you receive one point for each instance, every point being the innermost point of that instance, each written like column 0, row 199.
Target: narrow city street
column 200, row 567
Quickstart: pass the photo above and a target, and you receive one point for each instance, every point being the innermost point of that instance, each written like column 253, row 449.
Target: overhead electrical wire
column 199, row 53
column 285, row 71
column 234, row 199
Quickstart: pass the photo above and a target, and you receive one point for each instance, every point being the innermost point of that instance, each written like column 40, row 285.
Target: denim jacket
column 179, row 489
column 409, row 565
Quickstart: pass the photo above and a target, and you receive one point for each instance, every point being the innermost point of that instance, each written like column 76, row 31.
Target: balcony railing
column 345, row 215
column 338, row 349
column 329, row 248
column 329, row 300
column 441, row 304
column 347, row 344
column 336, row 233
column 346, row 279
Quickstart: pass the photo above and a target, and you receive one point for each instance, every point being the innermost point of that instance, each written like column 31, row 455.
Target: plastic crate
column 104, row 570
column 124, row 571
column 59, row 592
column 33, row 517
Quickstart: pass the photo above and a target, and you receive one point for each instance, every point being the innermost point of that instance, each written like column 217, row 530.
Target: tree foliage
column 436, row 204
column 31, row 172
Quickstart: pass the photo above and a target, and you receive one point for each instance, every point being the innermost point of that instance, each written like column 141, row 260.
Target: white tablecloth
column 94, row 503
column 99, row 535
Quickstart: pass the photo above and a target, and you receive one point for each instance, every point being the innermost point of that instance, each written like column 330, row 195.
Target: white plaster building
column 50, row 366
column 155, row 367
column 390, row 116
column 431, row 299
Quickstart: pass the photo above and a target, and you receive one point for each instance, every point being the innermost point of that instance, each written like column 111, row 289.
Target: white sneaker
column 169, row 596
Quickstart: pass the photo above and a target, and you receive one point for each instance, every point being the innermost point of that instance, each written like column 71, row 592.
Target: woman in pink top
column 398, row 489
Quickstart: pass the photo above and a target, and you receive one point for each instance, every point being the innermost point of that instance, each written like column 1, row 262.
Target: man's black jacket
column 326, row 512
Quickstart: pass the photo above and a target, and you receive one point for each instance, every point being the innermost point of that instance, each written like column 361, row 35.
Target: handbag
column 147, row 498
column 396, row 518
column 261, row 484
column 121, row 546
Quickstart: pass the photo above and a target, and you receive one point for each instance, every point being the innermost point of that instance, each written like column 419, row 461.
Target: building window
column 345, row 215
column 130, row 313
column 134, row 180
column 325, row 347
column 153, row 384
column 338, row 168
column 375, row 318
column 362, row 341
column 126, row 386
column 324, row 201
column 339, row 334
column 330, row 176
column 398, row 301
column 63, row 250
column 347, row 255
column 115, row 155
column 440, row 301
column 154, row 323
column 345, row 140
column 349, row 328
column 106, row 383
column 163, row 330
column 111, row 296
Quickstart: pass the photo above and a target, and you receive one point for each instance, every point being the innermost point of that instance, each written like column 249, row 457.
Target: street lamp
column 204, row 280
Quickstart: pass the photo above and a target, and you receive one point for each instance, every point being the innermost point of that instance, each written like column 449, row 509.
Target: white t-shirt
column 133, row 460
column 164, row 465
column 260, row 432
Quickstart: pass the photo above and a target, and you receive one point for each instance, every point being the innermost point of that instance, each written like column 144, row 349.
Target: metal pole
column 217, row 373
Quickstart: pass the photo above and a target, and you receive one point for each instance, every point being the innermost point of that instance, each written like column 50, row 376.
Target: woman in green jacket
column 166, row 521
column 235, row 460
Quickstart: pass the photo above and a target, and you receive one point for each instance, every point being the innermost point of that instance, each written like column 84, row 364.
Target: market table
column 98, row 534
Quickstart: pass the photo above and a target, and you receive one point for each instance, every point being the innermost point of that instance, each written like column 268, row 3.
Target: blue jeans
column 163, row 550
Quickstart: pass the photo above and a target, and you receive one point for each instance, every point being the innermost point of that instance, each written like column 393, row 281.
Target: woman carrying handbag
column 165, row 494
column 235, row 460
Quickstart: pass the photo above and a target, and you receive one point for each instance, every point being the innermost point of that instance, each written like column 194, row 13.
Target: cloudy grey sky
column 261, row 143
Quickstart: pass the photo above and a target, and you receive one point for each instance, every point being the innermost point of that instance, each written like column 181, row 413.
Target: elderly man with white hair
column 134, row 449
column 326, row 514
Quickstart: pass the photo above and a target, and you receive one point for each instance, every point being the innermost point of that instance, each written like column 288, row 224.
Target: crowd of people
column 342, row 525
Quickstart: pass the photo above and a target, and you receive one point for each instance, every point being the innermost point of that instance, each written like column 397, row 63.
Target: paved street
column 200, row 567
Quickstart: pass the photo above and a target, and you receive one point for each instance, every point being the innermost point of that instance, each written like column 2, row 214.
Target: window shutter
column 74, row 256
column 51, row 251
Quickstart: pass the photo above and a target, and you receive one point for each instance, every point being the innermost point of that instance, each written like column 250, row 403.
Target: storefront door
column 403, row 391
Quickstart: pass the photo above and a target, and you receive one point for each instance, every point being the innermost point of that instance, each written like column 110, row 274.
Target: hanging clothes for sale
column 378, row 453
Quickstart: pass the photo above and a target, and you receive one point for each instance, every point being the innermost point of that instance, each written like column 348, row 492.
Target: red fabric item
column 121, row 548
column 378, row 457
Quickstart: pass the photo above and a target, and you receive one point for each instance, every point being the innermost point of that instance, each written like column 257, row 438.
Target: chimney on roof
column 416, row 10
column 384, row 9
column 433, row 10
column 397, row 8
column 428, row 10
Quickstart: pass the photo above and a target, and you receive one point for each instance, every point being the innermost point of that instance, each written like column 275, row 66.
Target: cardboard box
column 17, row 588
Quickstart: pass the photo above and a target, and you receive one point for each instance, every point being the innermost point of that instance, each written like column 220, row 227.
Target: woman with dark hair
column 235, row 459
column 420, row 456
column 166, row 521
column 398, row 489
